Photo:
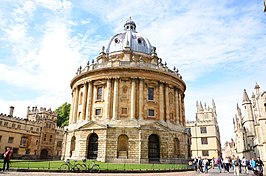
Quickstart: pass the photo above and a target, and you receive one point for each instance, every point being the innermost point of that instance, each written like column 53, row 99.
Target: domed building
column 127, row 106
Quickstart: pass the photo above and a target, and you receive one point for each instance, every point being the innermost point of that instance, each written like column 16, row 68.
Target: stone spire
column 245, row 96
column 257, row 89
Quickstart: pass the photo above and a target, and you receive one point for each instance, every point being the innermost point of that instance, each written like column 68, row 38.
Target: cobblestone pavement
column 212, row 172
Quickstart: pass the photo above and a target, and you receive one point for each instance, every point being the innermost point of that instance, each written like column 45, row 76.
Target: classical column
column 167, row 102
column 183, row 111
column 89, row 99
column 107, row 99
column 176, row 107
column 84, row 101
column 180, row 109
column 72, row 107
column 141, row 99
column 161, row 99
column 115, row 99
column 76, row 104
column 133, row 98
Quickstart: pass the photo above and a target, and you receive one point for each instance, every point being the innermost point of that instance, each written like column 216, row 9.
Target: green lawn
column 54, row 165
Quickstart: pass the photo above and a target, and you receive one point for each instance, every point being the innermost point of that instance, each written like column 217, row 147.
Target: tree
column 63, row 112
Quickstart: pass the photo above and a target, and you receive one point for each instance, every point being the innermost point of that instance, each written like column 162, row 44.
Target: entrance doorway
column 154, row 149
column 93, row 146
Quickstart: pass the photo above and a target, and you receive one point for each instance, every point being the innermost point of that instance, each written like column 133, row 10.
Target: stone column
column 133, row 98
column 183, row 111
column 115, row 100
column 167, row 102
column 72, row 107
column 76, row 104
column 161, row 100
column 107, row 99
column 84, row 101
column 180, row 109
column 141, row 97
column 89, row 99
column 177, row 107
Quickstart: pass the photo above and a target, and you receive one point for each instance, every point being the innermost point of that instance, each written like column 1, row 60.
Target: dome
column 130, row 38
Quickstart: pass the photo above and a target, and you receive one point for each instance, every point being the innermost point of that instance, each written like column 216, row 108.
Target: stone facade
column 36, row 136
column 205, row 132
column 127, row 106
column 249, row 126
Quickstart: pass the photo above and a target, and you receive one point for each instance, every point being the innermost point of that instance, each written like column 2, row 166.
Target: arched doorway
column 177, row 147
column 93, row 146
column 72, row 145
column 154, row 149
column 44, row 154
column 122, row 146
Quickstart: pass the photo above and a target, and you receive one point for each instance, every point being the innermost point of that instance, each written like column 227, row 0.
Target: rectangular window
column 13, row 125
column 10, row 140
column 0, row 138
column 204, row 140
column 1, row 122
column 98, row 112
column 44, row 138
column 124, row 111
column 203, row 130
column 51, row 138
column 5, row 124
column 23, row 141
column 31, row 128
column 19, row 126
column 151, row 113
column 150, row 93
column 99, row 93
column 37, row 129
column 59, row 144
column 205, row 153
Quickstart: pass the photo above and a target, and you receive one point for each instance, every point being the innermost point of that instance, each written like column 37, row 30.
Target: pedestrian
column 219, row 163
column 226, row 164
column 236, row 163
column 253, row 164
column 259, row 166
column 200, row 164
column 244, row 165
column 7, row 154
column 205, row 163
column 213, row 162
column 195, row 164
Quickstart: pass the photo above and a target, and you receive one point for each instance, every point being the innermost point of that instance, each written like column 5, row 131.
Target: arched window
column 72, row 145
column 122, row 146
column 154, row 149
column 92, row 146
column 177, row 147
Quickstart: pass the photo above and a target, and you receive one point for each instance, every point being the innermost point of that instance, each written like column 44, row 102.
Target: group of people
column 238, row 165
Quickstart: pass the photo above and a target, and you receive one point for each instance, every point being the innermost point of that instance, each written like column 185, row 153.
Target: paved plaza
column 212, row 172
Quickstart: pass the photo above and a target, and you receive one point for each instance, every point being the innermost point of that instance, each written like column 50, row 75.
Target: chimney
column 11, row 110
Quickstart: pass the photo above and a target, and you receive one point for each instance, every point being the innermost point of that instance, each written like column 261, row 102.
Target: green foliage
column 63, row 112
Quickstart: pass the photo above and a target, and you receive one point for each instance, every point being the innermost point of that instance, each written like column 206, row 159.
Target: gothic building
column 127, row 105
column 205, row 133
column 36, row 136
column 249, row 125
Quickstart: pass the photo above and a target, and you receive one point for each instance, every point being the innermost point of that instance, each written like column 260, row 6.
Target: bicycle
column 90, row 167
column 67, row 166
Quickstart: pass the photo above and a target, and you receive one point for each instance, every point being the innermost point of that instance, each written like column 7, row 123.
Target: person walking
column 226, row 164
column 219, row 163
column 259, row 166
column 205, row 163
column 200, row 164
column 195, row 164
column 236, row 163
column 7, row 155
column 244, row 165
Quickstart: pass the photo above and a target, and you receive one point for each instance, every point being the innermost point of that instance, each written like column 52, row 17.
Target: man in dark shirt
column 7, row 154
column 259, row 165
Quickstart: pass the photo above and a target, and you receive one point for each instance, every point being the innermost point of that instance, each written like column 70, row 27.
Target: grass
column 54, row 165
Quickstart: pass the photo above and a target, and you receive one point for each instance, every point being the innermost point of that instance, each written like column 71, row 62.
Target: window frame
column 151, row 110
column 150, row 95
column 203, row 130
column 203, row 141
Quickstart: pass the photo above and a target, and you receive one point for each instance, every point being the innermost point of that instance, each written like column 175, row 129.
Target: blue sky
column 218, row 47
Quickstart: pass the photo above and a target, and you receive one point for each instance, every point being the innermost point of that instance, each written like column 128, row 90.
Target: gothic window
column 150, row 93
column 10, row 140
column 265, row 106
column 204, row 140
column 154, row 148
column 203, row 130
column 205, row 153
column 44, row 138
column 151, row 113
column 37, row 142
column 99, row 93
